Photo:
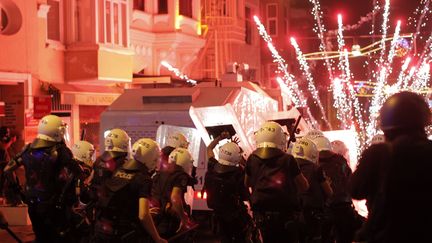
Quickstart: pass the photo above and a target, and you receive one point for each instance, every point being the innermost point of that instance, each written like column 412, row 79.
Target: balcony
column 98, row 64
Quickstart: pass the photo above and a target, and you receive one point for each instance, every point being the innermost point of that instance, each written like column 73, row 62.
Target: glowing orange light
column 199, row 195
column 205, row 195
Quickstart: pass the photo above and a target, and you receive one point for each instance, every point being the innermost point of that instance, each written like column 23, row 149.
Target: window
column 139, row 5
column 162, row 6
column 223, row 7
column 272, row 15
column 113, row 28
column 3, row 20
column 54, row 20
column 186, row 8
column 248, row 25
column 10, row 18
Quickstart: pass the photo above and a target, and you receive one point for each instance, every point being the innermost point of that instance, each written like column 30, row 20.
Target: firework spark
column 311, row 86
column 178, row 73
column 292, row 85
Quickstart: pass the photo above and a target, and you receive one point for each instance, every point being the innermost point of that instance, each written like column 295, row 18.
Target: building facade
column 283, row 19
column 73, row 58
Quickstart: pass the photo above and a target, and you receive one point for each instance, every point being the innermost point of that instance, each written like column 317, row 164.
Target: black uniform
column 48, row 166
column 4, row 159
column 372, row 162
column 339, row 211
column 397, row 189
column 274, row 199
column 226, row 192
column 104, row 167
column 312, row 201
column 163, row 183
column 82, row 216
column 118, row 206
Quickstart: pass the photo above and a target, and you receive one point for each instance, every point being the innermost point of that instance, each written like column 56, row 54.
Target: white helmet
column 52, row 128
column 377, row 139
column 181, row 157
column 84, row 152
column 230, row 154
column 339, row 147
column 147, row 152
column 271, row 135
column 322, row 143
column 177, row 140
column 306, row 149
column 312, row 134
column 117, row 140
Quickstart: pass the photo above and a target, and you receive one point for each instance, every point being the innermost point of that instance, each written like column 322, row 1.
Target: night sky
column 352, row 10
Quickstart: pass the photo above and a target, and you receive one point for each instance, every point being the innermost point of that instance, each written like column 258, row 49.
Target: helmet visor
column 129, row 150
column 64, row 133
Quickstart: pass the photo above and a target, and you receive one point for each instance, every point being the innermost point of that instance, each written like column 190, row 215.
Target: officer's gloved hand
column 185, row 224
column 3, row 223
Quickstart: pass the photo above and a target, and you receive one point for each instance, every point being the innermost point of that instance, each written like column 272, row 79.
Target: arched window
column 3, row 19
column 10, row 18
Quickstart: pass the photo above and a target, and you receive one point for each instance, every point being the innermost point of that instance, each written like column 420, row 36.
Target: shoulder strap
column 18, row 157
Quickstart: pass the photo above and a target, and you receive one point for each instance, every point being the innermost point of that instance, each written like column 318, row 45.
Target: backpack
column 336, row 167
column 273, row 189
column 222, row 191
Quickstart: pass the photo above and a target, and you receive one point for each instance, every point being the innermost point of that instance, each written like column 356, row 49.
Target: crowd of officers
column 300, row 192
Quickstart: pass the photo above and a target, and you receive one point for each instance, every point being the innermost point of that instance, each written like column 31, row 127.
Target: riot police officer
column 226, row 193
column 117, row 147
column 313, row 200
column 275, row 179
column 47, row 162
column 84, row 154
column 169, row 187
column 123, row 207
column 340, row 211
column 398, row 181
column 175, row 140
column 82, row 216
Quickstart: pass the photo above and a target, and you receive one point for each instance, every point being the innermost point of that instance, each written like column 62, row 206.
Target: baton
column 11, row 233
column 293, row 131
